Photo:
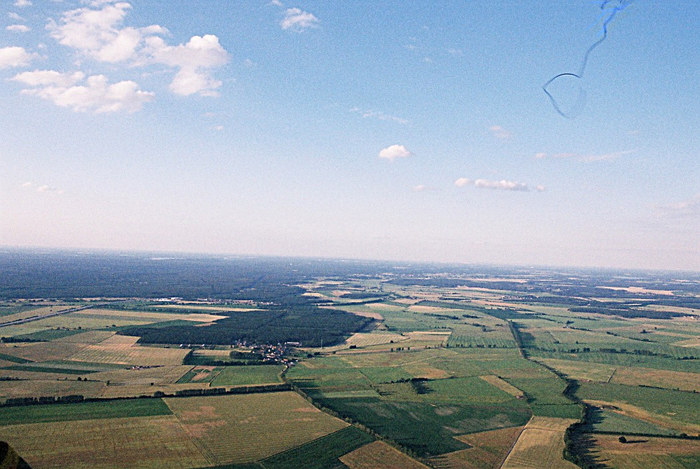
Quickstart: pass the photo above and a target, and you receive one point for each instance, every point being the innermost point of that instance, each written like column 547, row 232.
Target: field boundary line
column 201, row 447
column 503, row 461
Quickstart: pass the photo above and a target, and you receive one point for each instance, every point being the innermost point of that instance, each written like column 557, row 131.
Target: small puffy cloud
column 18, row 28
column 15, row 56
column 49, row 189
column 500, row 132
column 587, row 158
column 503, row 185
column 394, row 151
column 276, row 3
column 218, row 128
column 14, row 16
column 461, row 182
column 194, row 60
column 22, row 3
column 97, row 32
column 298, row 20
column 27, row 184
column 95, row 94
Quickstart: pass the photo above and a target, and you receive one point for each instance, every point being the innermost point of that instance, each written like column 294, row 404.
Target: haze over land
column 404, row 131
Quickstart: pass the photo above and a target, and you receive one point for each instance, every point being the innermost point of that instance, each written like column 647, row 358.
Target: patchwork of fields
column 441, row 372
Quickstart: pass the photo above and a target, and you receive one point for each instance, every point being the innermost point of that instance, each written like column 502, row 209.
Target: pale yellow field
column 44, row 385
column 503, row 385
column 379, row 455
column 135, row 390
column 89, row 337
column 644, row 452
column 146, row 442
column 125, row 354
column 488, row 450
column 200, row 307
column 362, row 339
column 656, row 419
column 540, row 445
column 580, row 370
column 249, row 427
column 42, row 351
column 159, row 375
column 662, row 378
column 41, row 311
column 149, row 316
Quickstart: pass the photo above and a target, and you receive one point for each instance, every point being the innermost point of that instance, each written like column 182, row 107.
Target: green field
column 680, row 405
column 251, row 374
column 322, row 453
column 82, row 411
column 613, row 422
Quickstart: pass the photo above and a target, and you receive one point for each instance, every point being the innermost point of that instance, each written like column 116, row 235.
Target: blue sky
column 407, row 130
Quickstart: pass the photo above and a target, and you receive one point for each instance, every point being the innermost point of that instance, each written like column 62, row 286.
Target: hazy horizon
column 401, row 132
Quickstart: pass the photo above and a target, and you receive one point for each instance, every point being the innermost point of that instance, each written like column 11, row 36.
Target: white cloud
column 22, row 3
column 48, row 78
column 298, row 20
column 503, row 184
column 98, row 32
column 588, row 158
column 194, row 59
column 393, row 152
column 379, row 115
column 14, row 56
column 96, row 94
column 49, row 189
column 276, row 3
column 27, row 184
column 15, row 16
column 540, row 188
column 18, row 28
column 500, row 132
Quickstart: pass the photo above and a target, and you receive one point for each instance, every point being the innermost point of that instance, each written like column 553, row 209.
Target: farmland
column 298, row 364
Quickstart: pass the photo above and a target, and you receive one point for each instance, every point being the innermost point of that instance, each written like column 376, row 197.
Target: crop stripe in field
column 199, row 444
column 512, row 445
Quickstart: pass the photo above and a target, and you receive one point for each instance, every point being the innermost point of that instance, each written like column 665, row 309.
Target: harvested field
column 488, row 450
column 503, row 385
column 148, row 316
column 644, row 452
column 580, row 370
column 644, row 415
column 89, row 337
column 41, row 351
column 249, row 427
column 154, row 442
column 201, row 307
column 660, row 378
column 362, row 339
column 158, row 375
column 127, row 354
column 379, row 455
column 48, row 387
column 540, row 445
